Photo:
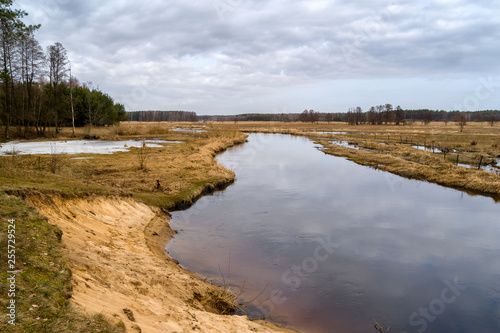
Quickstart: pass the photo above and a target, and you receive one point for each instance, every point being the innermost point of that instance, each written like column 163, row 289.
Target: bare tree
column 142, row 155
column 359, row 115
column 351, row 116
column 313, row 116
column 461, row 121
column 445, row 118
column 372, row 116
column 399, row 116
column 388, row 114
column 304, row 116
column 380, row 111
column 310, row 116
column 427, row 117
column 329, row 117
column 71, row 100
column 32, row 62
column 58, row 59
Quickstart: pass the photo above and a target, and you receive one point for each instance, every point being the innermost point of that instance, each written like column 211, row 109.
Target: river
column 325, row 245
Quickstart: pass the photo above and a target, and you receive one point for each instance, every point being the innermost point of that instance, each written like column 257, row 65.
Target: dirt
column 115, row 247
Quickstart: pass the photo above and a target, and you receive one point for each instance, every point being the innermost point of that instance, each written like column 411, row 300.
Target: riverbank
column 110, row 216
column 115, row 247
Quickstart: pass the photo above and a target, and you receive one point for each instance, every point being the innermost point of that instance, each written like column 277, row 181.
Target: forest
column 38, row 94
column 162, row 116
column 376, row 115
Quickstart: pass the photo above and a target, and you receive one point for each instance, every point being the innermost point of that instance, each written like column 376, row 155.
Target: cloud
column 217, row 54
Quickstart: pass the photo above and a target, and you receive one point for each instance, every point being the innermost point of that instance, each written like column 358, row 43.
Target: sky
column 279, row 56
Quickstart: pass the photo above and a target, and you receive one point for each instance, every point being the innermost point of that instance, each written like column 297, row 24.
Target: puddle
column 189, row 130
column 436, row 150
column 487, row 168
column 331, row 132
column 344, row 144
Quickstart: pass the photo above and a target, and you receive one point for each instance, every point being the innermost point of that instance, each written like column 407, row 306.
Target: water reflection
column 392, row 245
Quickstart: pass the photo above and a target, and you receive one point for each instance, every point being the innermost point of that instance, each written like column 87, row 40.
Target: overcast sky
column 239, row 56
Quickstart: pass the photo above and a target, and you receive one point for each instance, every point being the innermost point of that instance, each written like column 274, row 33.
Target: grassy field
column 176, row 174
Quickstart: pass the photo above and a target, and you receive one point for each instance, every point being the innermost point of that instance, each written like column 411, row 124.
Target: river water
column 325, row 245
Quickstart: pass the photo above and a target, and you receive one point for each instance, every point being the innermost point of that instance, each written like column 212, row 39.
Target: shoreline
column 115, row 249
column 158, row 234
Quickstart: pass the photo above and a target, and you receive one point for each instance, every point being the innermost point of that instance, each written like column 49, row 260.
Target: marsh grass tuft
column 224, row 299
column 142, row 154
column 56, row 158
column 379, row 328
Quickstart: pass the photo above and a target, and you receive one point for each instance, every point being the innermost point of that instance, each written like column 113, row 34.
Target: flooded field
column 75, row 146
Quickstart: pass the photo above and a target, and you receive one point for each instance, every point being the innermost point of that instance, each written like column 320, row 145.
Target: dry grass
column 178, row 173
column 183, row 170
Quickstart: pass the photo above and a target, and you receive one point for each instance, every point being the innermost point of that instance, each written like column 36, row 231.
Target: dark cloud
column 214, row 55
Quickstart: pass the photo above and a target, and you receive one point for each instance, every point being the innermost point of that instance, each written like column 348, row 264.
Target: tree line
column 37, row 89
column 376, row 115
column 162, row 116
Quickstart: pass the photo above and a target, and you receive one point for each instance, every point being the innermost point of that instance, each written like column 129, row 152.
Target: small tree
column 445, row 117
column 313, row 116
column 461, row 121
column 55, row 158
column 399, row 116
column 328, row 117
column 304, row 116
column 388, row 114
column 142, row 155
column 427, row 117
column 359, row 115
column 372, row 116
column 380, row 114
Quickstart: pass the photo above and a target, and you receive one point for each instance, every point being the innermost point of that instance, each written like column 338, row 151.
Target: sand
column 115, row 247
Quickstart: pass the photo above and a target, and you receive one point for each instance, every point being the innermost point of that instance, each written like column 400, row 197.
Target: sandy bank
column 115, row 248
